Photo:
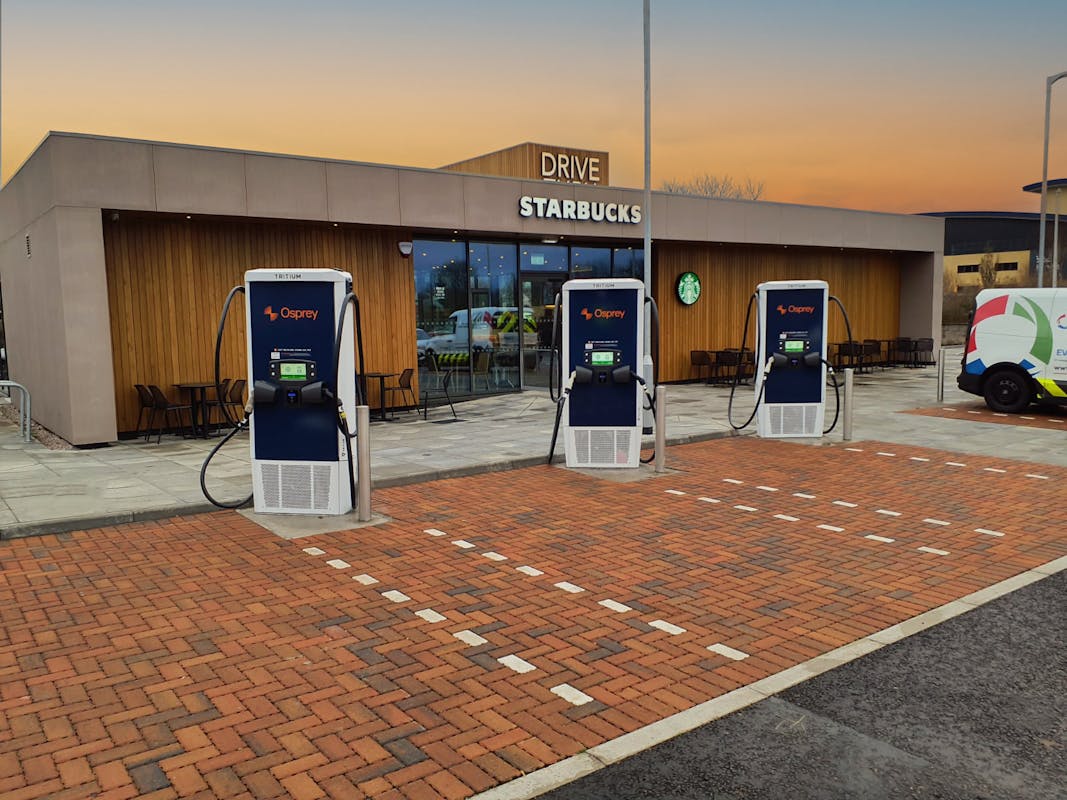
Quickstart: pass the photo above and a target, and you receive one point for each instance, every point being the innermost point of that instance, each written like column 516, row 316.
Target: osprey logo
column 290, row 313
column 603, row 313
column 795, row 310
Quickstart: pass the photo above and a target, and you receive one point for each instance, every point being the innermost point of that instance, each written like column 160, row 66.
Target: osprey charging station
column 791, row 349
column 602, row 351
column 299, row 378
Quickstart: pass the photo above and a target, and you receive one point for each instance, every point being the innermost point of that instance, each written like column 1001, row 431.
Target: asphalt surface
column 974, row 708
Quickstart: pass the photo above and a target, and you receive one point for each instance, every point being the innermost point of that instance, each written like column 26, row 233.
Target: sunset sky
column 890, row 105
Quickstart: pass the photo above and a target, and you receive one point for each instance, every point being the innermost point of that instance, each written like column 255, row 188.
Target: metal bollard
column 941, row 375
column 846, row 419
column 661, row 428
column 363, row 462
column 25, row 411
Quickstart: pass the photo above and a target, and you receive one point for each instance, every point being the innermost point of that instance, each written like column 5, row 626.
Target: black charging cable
column 740, row 369
column 238, row 426
column 350, row 299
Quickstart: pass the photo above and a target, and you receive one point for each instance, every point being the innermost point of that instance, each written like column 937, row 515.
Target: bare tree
column 987, row 270
column 715, row 186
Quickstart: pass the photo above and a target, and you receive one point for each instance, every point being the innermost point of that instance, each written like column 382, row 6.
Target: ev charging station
column 603, row 335
column 791, row 358
column 300, row 453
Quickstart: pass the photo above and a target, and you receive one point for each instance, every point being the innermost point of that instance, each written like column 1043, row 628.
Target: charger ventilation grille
column 793, row 419
column 602, row 446
column 303, row 487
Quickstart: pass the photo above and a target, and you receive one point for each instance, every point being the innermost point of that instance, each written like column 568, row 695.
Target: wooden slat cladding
column 866, row 283
column 168, row 279
column 524, row 161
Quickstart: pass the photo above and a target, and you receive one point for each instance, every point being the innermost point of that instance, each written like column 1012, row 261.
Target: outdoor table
column 197, row 391
column 381, row 376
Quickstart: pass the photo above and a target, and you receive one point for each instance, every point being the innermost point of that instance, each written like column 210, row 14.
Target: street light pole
column 647, row 367
column 1051, row 79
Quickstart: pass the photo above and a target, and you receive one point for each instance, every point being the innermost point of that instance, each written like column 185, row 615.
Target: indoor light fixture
column 404, row 248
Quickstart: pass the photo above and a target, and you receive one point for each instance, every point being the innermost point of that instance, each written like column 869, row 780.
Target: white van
column 490, row 328
column 1016, row 352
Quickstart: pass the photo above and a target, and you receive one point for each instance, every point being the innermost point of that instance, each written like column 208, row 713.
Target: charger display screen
column 602, row 358
column 793, row 346
column 293, row 371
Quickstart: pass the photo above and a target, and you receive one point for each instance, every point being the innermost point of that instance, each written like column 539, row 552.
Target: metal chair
column 701, row 360
column 147, row 404
column 481, row 368
column 218, row 401
column 403, row 388
column 161, row 403
column 446, row 381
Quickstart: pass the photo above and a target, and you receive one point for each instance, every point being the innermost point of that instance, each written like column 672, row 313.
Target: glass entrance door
column 539, row 293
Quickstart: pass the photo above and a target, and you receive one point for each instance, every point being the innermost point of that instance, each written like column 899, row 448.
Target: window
column 629, row 263
column 963, row 269
column 1008, row 266
column 590, row 262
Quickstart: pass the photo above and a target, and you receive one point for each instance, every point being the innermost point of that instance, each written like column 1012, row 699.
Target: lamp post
column 1051, row 79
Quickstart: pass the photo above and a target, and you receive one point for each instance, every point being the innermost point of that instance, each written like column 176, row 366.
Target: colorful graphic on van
column 1020, row 333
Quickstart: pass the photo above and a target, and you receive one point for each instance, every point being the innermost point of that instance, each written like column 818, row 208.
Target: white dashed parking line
column 517, row 664
column 494, row 556
column 571, row 695
column 463, row 544
column 874, row 538
column 568, row 587
column 615, row 606
column 395, row 596
column 314, row 551
column 933, row 550
column 470, row 638
column 936, row 521
column 337, row 563
column 667, row 627
column 728, row 652
column 435, row 532
column 430, row 615
column 531, row 571
column 786, row 517
column 988, row 532
column 833, row 528
column 365, row 579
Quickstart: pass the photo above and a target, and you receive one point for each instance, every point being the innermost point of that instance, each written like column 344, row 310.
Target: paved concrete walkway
column 48, row 491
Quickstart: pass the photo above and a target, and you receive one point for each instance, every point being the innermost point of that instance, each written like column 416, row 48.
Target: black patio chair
column 442, row 391
column 403, row 388
column 147, row 404
column 160, row 403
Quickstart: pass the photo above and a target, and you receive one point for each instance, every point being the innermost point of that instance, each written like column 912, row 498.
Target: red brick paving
column 203, row 657
column 1054, row 418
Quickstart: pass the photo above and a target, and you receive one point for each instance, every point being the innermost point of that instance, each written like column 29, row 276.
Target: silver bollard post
column 846, row 421
column 363, row 462
column 661, row 428
column 941, row 375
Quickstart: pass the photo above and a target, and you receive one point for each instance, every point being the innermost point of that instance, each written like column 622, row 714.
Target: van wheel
column 1007, row 392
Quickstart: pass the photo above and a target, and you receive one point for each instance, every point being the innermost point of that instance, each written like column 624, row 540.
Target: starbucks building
column 117, row 255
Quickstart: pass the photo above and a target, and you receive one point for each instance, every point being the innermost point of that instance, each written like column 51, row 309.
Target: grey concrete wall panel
column 364, row 194
column 726, row 219
column 287, row 188
column 102, row 173
column 432, row 200
column 490, row 205
column 193, row 181
column 28, row 194
column 921, row 295
column 686, row 218
column 86, row 326
column 34, row 323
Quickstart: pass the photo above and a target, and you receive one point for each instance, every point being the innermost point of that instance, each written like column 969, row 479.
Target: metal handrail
column 24, row 408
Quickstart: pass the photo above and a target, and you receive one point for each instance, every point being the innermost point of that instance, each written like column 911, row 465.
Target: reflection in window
column 495, row 326
column 543, row 258
column 629, row 263
column 590, row 262
column 441, row 313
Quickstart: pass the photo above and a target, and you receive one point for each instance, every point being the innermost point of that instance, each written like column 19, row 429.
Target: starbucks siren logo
column 688, row 287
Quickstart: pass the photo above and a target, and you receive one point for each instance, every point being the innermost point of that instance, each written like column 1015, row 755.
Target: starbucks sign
column 688, row 287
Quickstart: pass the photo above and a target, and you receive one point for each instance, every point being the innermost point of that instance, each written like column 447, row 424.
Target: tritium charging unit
column 792, row 337
column 603, row 335
column 299, row 452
